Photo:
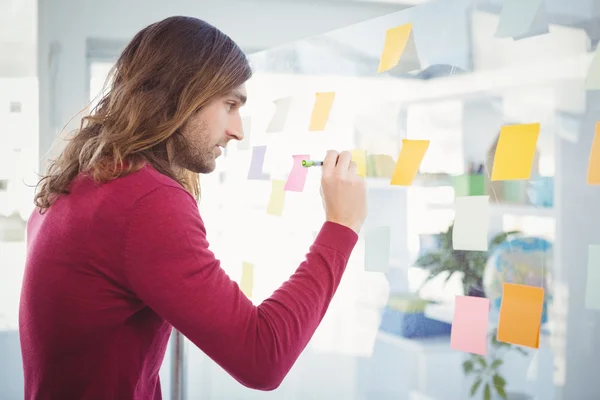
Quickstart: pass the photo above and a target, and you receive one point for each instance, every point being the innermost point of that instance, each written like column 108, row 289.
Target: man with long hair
column 117, row 252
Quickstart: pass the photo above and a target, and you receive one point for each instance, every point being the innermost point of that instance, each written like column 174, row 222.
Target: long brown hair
column 169, row 71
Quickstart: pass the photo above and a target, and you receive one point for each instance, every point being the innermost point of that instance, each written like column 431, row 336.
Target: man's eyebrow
column 241, row 97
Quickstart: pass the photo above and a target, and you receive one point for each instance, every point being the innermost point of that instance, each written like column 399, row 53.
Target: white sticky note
column 471, row 223
column 377, row 249
column 521, row 19
column 282, row 109
column 592, row 291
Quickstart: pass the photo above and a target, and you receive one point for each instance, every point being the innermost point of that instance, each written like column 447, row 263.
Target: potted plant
column 470, row 263
column 485, row 371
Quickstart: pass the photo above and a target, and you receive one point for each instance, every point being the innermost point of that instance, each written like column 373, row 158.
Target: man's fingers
column 353, row 168
column 330, row 160
column 343, row 163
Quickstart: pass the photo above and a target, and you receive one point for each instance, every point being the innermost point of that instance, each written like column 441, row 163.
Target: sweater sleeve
column 169, row 266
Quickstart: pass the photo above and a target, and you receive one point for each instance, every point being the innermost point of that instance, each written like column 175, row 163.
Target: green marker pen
column 311, row 163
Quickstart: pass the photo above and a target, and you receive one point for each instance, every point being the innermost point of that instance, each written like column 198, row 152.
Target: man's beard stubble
column 195, row 154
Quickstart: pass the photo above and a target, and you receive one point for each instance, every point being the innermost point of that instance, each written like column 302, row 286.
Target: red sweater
column 111, row 268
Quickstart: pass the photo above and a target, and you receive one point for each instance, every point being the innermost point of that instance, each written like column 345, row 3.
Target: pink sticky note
column 297, row 177
column 470, row 323
column 256, row 164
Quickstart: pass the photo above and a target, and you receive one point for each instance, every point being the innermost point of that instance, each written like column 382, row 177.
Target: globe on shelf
column 522, row 260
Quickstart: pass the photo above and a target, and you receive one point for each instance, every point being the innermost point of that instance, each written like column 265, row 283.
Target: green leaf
column 481, row 361
column 429, row 259
column 496, row 364
column 500, row 391
column 468, row 366
column 487, row 392
column 475, row 386
column 498, row 380
column 520, row 350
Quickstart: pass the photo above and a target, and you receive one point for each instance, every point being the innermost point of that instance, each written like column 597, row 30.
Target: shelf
column 433, row 344
column 440, row 312
column 507, row 208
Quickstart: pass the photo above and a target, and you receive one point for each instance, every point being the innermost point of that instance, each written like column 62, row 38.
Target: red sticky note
column 297, row 177
column 469, row 325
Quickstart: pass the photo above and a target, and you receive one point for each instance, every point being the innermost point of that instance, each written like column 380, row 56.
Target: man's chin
column 206, row 168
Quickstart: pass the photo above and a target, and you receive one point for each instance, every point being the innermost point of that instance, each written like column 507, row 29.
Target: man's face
column 207, row 132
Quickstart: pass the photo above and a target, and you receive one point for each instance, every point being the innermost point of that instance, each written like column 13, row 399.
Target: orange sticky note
column 469, row 324
column 321, row 109
column 247, row 281
column 593, row 174
column 360, row 158
column 277, row 198
column 409, row 161
column 521, row 315
column 396, row 41
column 515, row 152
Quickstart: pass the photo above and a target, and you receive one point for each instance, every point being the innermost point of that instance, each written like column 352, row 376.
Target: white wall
column 255, row 24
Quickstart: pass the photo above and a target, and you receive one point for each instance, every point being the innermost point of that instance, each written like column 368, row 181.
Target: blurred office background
column 55, row 57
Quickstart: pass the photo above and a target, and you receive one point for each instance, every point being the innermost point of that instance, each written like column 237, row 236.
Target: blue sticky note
column 256, row 164
column 592, row 294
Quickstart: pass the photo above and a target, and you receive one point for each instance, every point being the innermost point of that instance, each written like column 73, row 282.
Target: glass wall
column 18, row 167
column 469, row 84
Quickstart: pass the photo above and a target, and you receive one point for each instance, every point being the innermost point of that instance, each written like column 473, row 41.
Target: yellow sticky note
column 360, row 158
column 409, row 161
column 593, row 174
column 521, row 315
column 515, row 152
column 321, row 109
column 393, row 47
column 247, row 281
column 277, row 199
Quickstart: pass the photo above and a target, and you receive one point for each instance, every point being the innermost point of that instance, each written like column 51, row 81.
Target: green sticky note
column 592, row 294
column 522, row 18
column 377, row 249
column 592, row 81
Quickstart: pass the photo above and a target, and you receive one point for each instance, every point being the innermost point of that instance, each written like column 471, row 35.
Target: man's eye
column 230, row 105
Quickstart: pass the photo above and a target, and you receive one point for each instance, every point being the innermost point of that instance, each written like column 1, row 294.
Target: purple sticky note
column 469, row 325
column 297, row 177
column 256, row 164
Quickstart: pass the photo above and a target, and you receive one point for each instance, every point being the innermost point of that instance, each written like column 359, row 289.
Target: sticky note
column 515, row 152
column 244, row 144
column 592, row 81
column 409, row 161
column 360, row 158
column 469, row 324
column 377, row 249
column 380, row 165
column 256, row 163
column 297, row 176
column 320, row 112
column 277, row 199
column 593, row 173
column 592, row 283
column 399, row 47
column 521, row 315
column 471, row 223
column 282, row 109
column 520, row 19
column 247, row 281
